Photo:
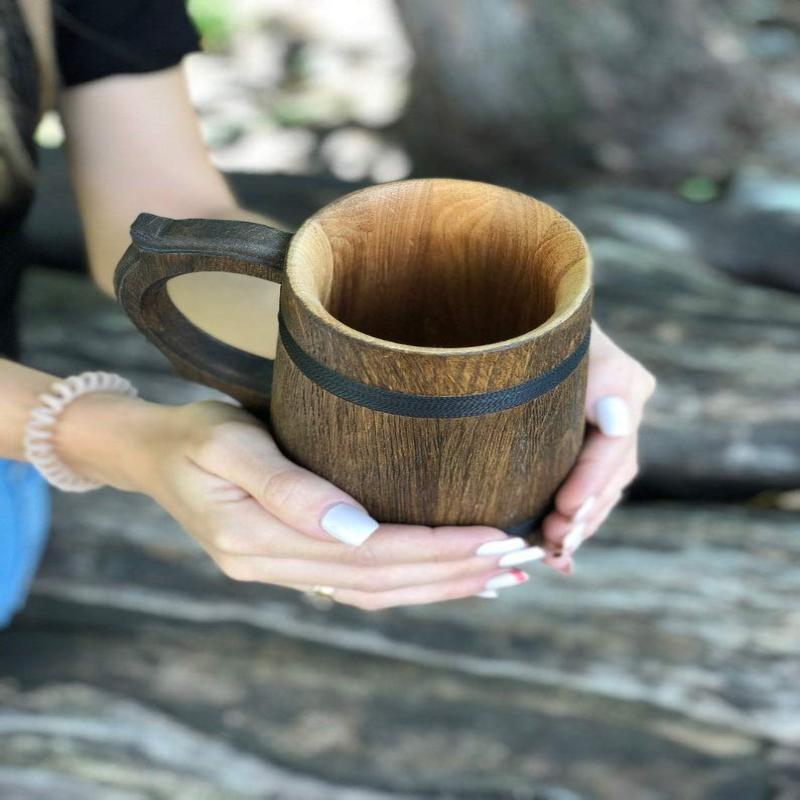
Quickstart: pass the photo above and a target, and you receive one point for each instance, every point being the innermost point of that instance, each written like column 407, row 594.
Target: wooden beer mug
column 433, row 334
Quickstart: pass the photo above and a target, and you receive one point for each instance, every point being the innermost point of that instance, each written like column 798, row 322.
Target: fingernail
column 348, row 524
column 521, row 557
column 585, row 507
column 500, row 546
column 574, row 539
column 513, row 578
column 613, row 416
column 487, row 594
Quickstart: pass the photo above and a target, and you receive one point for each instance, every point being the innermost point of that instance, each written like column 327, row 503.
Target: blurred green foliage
column 214, row 21
column 699, row 189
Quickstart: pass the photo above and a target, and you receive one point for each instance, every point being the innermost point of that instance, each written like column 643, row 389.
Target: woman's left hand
column 617, row 389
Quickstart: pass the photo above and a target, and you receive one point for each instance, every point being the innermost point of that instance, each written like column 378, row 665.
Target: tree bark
column 516, row 90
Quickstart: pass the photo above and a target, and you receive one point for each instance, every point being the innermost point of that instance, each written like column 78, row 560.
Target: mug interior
column 440, row 263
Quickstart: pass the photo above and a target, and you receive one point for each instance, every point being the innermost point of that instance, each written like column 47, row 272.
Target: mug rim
column 314, row 306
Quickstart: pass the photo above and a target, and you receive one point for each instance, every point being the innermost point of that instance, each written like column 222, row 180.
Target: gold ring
column 321, row 597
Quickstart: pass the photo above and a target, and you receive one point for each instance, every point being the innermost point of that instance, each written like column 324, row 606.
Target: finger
column 595, row 522
column 555, row 528
column 564, row 538
column 345, row 576
column 599, row 464
column 617, row 387
column 485, row 584
column 561, row 563
column 253, row 531
column 577, row 534
column 565, row 533
column 301, row 500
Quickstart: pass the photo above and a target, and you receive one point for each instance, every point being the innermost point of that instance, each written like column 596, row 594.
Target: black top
column 98, row 38
column 94, row 39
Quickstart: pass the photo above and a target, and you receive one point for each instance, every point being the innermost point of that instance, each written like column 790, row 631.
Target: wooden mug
column 433, row 334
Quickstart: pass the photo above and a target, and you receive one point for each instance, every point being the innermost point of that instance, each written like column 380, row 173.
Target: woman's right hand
column 217, row 471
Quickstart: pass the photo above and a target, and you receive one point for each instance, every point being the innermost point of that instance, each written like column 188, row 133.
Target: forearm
column 93, row 435
column 134, row 144
column 107, row 234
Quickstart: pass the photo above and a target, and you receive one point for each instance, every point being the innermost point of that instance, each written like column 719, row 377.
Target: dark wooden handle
column 162, row 249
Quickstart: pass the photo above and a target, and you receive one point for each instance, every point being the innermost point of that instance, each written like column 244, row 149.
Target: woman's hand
column 262, row 518
column 617, row 389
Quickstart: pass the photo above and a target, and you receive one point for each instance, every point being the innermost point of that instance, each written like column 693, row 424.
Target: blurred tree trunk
column 531, row 90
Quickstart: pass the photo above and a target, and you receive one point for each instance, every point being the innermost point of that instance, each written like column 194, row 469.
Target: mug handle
column 162, row 249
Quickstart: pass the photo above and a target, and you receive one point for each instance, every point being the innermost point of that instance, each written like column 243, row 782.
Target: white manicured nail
column 348, row 524
column 613, row 416
column 514, row 578
column 521, row 557
column 487, row 594
column 583, row 512
column 574, row 539
column 497, row 546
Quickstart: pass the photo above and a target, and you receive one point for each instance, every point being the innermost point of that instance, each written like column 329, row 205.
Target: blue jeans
column 24, row 522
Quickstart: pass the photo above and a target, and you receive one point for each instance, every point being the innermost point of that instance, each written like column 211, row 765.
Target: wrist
column 110, row 438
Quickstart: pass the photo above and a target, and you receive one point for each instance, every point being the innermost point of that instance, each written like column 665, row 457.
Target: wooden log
column 670, row 652
column 124, row 747
column 644, row 568
column 163, row 711
column 785, row 773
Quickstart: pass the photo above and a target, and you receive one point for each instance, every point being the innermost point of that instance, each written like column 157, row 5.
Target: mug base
column 529, row 528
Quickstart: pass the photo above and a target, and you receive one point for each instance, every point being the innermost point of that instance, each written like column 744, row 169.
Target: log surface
column 672, row 651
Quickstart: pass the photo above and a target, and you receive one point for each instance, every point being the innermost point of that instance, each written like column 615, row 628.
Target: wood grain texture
column 433, row 287
column 631, row 679
column 436, row 287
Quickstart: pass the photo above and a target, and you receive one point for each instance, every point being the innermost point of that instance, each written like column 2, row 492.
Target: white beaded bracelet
column 38, row 440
